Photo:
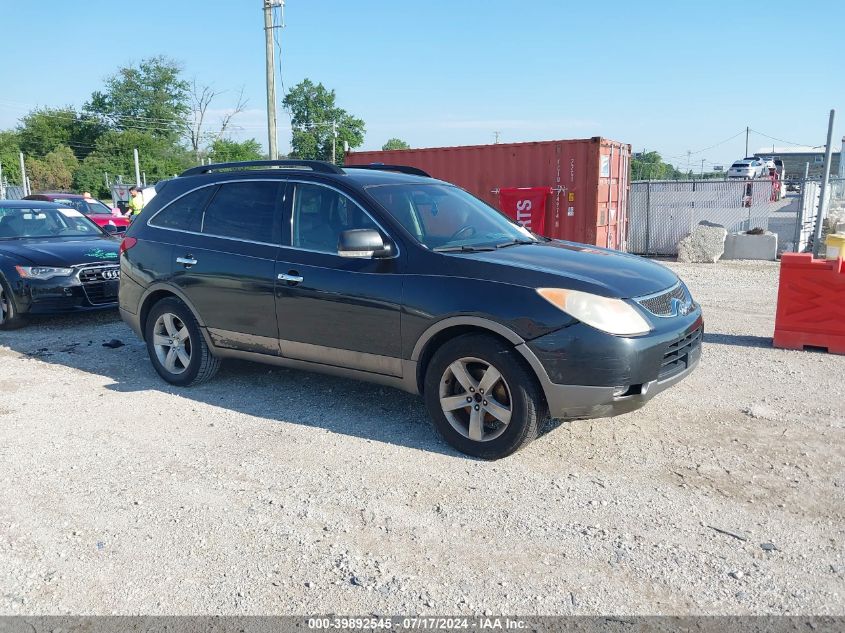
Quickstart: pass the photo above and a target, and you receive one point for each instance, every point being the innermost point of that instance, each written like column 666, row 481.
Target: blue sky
column 669, row 76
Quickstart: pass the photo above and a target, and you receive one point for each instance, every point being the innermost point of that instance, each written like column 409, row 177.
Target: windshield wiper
column 515, row 243
column 464, row 248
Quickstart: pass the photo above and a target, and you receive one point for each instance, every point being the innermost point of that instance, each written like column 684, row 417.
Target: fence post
column 799, row 221
column 817, row 235
column 23, row 176
column 648, row 218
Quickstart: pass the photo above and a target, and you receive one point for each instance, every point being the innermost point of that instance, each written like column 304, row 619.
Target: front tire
column 176, row 345
column 10, row 318
column 481, row 397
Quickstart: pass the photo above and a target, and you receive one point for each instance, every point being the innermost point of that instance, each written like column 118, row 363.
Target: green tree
column 313, row 112
column 151, row 97
column 44, row 129
column 395, row 143
column 650, row 166
column 53, row 172
column 226, row 151
column 159, row 158
column 9, row 156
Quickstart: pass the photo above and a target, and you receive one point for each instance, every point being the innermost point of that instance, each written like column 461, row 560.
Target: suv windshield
column 23, row 223
column 443, row 217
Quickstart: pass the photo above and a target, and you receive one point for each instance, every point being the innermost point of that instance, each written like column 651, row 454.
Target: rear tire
column 481, row 397
column 10, row 318
column 176, row 345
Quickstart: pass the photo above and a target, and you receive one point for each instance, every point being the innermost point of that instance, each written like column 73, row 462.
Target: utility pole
column 702, row 168
column 689, row 154
column 496, row 135
column 272, row 138
column 24, row 179
column 817, row 236
column 747, row 130
column 137, row 168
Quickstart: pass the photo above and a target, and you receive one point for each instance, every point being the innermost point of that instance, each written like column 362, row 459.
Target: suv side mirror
column 362, row 243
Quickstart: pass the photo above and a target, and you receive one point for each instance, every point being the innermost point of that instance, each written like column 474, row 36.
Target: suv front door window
column 321, row 214
column 342, row 311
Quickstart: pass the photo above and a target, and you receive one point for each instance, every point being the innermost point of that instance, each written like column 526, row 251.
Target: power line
column 780, row 140
column 42, row 110
column 699, row 151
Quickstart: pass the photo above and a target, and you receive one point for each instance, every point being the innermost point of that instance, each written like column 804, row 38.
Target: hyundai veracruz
column 384, row 274
column 53, row 259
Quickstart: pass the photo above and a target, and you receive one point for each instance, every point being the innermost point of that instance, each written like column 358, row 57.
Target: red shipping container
column 811, row 303
column 588, row 179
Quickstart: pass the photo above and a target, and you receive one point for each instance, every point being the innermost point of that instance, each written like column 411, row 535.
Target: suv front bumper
column 586, row 373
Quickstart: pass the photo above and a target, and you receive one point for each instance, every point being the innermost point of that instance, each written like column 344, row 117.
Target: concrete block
column 704, row 245
column 744, row 246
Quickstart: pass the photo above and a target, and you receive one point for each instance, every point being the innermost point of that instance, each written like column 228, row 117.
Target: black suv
column 385, row 274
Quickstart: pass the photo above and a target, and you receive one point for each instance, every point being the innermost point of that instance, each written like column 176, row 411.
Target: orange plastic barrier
column 811, row 303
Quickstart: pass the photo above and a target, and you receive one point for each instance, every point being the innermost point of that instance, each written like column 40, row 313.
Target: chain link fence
column 11, row 192
column 661, row 213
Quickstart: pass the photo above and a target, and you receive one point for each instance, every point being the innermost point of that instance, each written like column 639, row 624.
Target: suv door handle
column 292, row 278
column 187, row 261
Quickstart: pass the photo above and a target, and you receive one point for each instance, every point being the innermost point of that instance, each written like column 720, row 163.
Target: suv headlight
column 613, row 316
column 42, row 272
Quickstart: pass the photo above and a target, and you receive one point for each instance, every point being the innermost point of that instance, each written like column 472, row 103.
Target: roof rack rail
column 314, row 165
column 404, row 169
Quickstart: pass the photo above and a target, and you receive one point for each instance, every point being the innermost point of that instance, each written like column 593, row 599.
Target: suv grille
column 665, row 304
column 679, row 354
column 100, row 283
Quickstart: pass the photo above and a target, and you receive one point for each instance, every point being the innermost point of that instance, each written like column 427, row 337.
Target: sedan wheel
column 9, row 318
column 475, row 399
column 172, row 343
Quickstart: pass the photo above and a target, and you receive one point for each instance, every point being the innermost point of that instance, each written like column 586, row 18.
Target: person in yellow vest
column 136, row 202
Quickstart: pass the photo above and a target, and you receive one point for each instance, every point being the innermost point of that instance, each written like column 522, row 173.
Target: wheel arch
column 156, row 293
column 448, row 329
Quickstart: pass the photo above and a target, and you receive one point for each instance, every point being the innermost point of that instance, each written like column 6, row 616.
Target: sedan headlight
column 43, row 272
column 613, row 316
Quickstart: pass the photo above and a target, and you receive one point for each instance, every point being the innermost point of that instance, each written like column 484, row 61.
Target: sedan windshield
column 88, row 207
column 446, row 218
column 18, row 222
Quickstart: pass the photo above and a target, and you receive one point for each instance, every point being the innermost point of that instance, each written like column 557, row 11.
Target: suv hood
column 64, row 252
column 581, row 267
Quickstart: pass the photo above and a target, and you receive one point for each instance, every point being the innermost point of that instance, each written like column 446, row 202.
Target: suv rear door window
column 244, row 211
column 321, row 214
column 185, row 213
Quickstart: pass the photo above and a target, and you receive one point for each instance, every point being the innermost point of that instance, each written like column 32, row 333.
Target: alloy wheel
column 476, row 399
column 172, row 343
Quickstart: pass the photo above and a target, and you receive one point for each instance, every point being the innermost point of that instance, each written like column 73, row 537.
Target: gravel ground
column 274, row 491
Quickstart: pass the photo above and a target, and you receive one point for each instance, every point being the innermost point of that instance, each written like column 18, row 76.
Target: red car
column 96, row 211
